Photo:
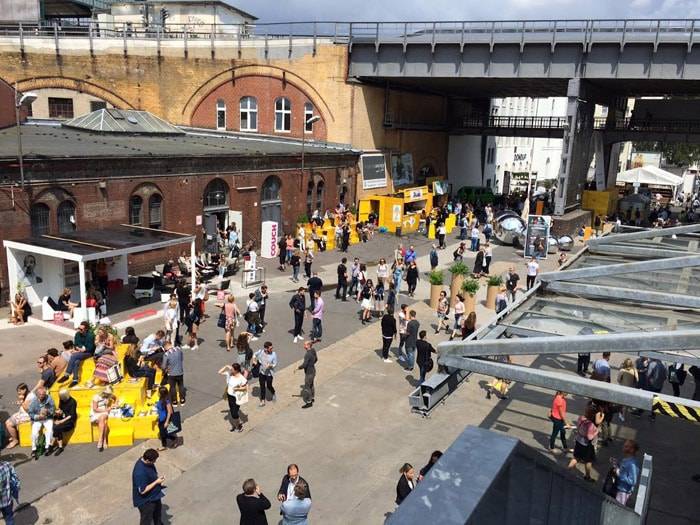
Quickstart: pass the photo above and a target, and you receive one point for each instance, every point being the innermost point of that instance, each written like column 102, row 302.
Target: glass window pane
column 40, row 219
column 66, row 217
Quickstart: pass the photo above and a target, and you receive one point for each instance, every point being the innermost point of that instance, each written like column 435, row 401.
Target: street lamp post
column 310, row 122
column 21, row 101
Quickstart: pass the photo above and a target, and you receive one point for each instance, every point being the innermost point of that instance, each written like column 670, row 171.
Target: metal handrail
column 651, row 124
column 618, row 30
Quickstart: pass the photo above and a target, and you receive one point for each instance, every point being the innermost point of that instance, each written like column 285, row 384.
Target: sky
column 423, row 10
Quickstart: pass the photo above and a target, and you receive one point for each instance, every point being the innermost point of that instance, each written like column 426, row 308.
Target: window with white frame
column 220, row 114
column 308, row 113
column 249, row 114
column 283, row 115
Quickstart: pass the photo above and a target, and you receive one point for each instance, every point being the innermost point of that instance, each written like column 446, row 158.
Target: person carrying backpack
column 656, row 377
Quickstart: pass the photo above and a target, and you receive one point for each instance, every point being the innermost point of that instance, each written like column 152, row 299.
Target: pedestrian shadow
column 166, row 516
column 26, row 515
column 415, row 383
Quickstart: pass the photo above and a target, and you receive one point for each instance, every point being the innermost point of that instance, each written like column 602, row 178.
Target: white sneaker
column 254, row 338
column 185, row 347
column 388, row 360
column 296, row 339
column 195, row 347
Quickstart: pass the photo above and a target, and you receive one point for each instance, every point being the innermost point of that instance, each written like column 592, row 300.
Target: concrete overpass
column 588, row 61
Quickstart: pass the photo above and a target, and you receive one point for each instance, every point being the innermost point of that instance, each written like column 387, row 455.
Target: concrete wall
column 464, row 161
column 19, row 11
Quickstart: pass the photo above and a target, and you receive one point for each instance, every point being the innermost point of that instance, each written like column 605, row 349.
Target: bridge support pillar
column 577, row 150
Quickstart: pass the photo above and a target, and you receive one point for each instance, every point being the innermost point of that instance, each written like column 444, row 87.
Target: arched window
column 66, row 217
column 308, row 113
column 271, row 189
column 216, row 195
column 135, row 210
column 283, row 115
column 39, row 218
column 220, row 114
column 249, row 114
column 155, row 214
column 319, row 195
column 310, row 198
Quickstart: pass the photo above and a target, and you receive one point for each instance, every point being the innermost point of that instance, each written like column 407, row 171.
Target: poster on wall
column 402, row 169
column 373, row 171
column 441, row 187
column 537, row 237
column 30, row 269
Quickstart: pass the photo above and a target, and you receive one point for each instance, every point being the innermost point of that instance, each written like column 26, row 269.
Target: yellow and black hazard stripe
column 661, row 406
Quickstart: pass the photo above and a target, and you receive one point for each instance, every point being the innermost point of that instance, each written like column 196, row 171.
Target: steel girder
column 646, row 234
column 573, row 384
column 624, row 268
column 625, row 342
column 627, row 294
column 636, row 251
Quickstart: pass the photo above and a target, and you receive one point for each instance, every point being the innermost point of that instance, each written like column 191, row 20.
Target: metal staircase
column 488, row 478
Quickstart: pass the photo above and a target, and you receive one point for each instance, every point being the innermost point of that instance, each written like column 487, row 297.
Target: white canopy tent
column 650, row 175
column 36, row 264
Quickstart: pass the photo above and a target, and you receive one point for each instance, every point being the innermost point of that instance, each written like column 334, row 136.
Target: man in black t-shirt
column 342, row 280
column 512, row 279
column 423, row 349
column 314, row 284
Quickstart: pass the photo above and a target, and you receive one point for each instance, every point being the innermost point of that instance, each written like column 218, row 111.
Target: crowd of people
column 378, row 294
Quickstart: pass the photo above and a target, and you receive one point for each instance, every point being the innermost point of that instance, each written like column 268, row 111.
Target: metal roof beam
column 573, row 384
column 646, row 234
column 627, row 294
column 675, row 358
column 626, row 342
column 624, row 268
column 637, row 251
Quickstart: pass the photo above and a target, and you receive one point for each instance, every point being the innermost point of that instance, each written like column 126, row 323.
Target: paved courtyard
column 351, row 443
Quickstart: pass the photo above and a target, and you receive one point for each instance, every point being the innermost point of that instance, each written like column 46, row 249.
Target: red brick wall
column 266, row 90
column 182, row 197
column 7, row 105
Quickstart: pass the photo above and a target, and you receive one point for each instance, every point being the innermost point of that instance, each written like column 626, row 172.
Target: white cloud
column 407, row 10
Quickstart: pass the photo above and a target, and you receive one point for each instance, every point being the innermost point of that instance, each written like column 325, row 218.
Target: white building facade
column 513, row 161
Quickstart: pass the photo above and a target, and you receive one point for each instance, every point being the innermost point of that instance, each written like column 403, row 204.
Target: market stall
column 399, row 210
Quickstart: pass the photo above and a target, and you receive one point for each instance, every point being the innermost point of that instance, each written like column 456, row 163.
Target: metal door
column 211, row 233
column 272, row 211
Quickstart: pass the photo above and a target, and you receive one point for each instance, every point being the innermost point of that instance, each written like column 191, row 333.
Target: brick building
column 177, row 179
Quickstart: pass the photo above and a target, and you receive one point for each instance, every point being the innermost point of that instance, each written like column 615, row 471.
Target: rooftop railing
column 619, row 31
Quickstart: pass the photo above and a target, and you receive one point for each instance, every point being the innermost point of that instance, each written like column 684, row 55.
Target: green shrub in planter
column 459, row 268
column 436, row 278
column 495, row 280
column 470, row 286
column 303, row 219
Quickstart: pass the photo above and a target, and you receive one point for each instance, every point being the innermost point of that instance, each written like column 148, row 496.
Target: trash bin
column 398, row 231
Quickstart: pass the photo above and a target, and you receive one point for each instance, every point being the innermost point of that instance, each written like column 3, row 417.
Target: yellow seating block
column 25, row 434
column 330, row 235
column 450, row 222
column 120, row 437
column 87, row 369
column 431, row 231
column 131, row 391
column 82, row 433
column 145, row 427
column 121, row 352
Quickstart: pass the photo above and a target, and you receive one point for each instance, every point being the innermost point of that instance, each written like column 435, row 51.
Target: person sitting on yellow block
column 99, row 413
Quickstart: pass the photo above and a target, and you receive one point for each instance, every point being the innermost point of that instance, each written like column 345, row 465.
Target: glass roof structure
column 634, row 292
column 130, row 121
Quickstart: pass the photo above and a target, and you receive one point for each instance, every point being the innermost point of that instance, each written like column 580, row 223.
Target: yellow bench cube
column 121, row 437
column 145, row 427
column 82, row 433
column 25, row 434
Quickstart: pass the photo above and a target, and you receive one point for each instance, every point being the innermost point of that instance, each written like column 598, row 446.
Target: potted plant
column 436, row 284
column 494, row 284
column 458, row 270
column 470, row 287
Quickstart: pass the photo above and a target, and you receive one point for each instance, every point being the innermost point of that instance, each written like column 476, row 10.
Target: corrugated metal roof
column 54, row 141
column 123, row 121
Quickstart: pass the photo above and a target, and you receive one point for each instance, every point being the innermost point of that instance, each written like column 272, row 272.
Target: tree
column 677, row 153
